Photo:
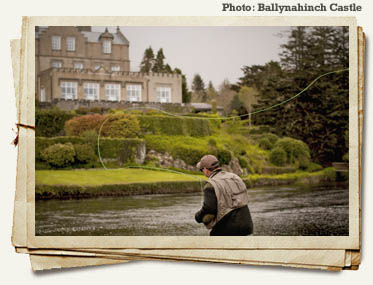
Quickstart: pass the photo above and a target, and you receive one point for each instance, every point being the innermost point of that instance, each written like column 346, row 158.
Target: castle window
column 78, row 65
column 56, row 43
column 70, row 43
column 91, row 91
column 115, row 68
column 112, row 92
column 133, row 92
column 69, row 90
column 107, row 46
column 164, row 94
column 42, row 95
column 57, row 63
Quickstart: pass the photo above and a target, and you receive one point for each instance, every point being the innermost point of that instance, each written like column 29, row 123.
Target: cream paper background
column 16, row 268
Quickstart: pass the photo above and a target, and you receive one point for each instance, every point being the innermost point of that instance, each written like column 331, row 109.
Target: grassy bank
column 99, row 177
column 67, row 184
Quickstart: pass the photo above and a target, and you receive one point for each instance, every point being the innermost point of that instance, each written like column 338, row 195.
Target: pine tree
column 167, row 68
column 147, row 61
column 211, row 92
column 198, row 87
column 185, row 93
column 238, row 106
column 320, row 115
column 225, row 96
column 159, row 66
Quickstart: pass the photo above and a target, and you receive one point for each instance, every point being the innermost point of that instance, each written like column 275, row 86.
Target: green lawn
column 110, row 176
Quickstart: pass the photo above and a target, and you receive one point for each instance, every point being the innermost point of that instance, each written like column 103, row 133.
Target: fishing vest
column 231, row 193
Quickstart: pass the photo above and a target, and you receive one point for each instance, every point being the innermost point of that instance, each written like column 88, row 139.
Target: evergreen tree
column 320, row 115
column 147, row 61
column 185, row 93
column 211, row 92
column 295, row 50
column 225, row 96
column 159, row 66
column 198, row 87
column 238, row 106
column 167, row 68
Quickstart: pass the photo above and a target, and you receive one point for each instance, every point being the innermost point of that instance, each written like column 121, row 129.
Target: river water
column 320, row 210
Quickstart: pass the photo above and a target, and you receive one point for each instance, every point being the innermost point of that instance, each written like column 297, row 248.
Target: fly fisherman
column 224, row 209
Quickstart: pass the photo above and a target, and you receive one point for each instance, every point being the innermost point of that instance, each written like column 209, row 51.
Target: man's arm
column 209, row 203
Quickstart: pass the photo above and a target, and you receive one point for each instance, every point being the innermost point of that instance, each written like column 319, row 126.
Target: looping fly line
column 204, row 118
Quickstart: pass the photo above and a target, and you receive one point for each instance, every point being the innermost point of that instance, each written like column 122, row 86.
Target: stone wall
column 69, row 105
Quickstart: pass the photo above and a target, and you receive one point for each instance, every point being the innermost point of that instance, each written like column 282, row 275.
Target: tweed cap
column 209, row 161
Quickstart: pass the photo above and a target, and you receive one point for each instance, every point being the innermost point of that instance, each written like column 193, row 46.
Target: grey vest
column 231, row 193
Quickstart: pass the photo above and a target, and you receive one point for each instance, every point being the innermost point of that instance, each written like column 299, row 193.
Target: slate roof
column 94, row 36
column 203, row 106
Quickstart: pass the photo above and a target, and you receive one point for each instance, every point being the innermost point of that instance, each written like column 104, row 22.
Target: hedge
column 42, row 143
column 190, row 154
column 124, row 150
column 46, row 192
column 50, row 122
column 168, row 125
column 117, row 125
column 78, row 125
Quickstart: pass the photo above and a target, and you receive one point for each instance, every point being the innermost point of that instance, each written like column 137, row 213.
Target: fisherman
column 224, row 209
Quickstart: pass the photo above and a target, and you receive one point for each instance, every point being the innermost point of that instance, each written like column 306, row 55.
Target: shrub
column 50, row 122
column 82, row 111
column 169, row 125
column 330, row 173
column 277, row 156
column 117, row 125
column 111, row 147
column 121, row 126
column 117, row 149
column 211, row 142
column 84, row 153
column 42, row 143
column 197, row 127
column 59, row 155
column 264, row 143
column 271, row 137
column 190, row 154
column 90, row 137
column 78, row 125
column 97, row 110
column 313, row 167
column 128, row 150
column 224, row 156
column 243, row 162
column 297, row 152
column 260, row 130
column 345, row 157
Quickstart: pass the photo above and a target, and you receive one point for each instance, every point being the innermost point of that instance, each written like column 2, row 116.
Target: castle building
column 80, row 65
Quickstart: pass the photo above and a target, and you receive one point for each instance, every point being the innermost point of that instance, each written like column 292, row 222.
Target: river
column 320, row 210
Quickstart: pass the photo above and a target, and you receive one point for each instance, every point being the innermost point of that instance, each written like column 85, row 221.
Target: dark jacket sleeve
column 209, row 203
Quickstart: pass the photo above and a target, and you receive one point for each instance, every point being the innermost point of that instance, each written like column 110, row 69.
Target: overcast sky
column 216, row 53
